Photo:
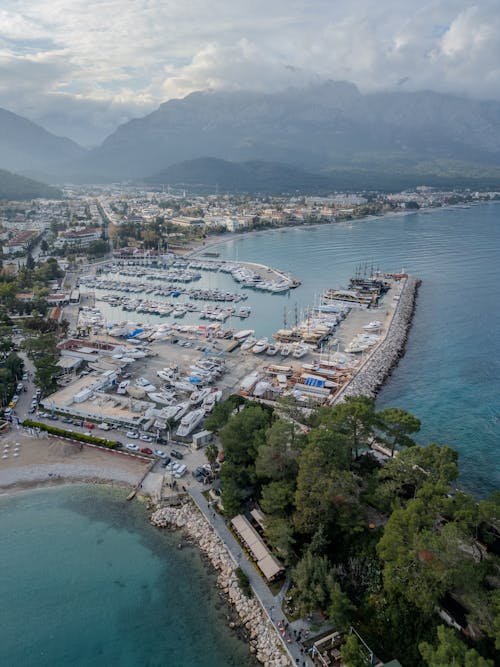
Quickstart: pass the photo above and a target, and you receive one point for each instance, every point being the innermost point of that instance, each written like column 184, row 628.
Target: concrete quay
column 380, row 362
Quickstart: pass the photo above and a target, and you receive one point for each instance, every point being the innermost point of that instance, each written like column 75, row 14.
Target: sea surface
column 450, row 375
column 87, row 581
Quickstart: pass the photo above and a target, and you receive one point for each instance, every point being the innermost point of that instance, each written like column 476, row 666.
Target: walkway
column 270, row 603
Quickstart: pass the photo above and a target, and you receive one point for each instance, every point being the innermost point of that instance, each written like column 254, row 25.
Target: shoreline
column 264, row 643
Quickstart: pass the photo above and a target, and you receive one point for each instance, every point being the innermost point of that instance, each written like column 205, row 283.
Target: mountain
column 27, row 147
column 207, row 174
column 17, row 187
column 326, row 126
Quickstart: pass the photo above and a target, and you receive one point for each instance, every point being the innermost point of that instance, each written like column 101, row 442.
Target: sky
column 82, row 67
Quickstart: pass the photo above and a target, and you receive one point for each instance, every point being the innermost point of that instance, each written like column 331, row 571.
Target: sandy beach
column 26, row 461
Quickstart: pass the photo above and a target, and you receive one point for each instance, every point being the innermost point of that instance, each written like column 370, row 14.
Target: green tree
column 211, row 453
column 242, row 434
column 355, row 418
column 30, row 262
column 277, row 497
column 277, row 454
column 451, row 650
column 340, row 610
column 279, row 534
column 313, row 578
column 353, row 655
column 46, row 371
column 397, row 425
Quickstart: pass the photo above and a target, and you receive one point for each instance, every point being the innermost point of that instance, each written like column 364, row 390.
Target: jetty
column 381, row 360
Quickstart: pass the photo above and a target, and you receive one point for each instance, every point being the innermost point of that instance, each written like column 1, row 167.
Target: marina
column 163, row 377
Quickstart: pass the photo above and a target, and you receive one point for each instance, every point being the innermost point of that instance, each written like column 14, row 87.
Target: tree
column 353, row 654
column 30, row 262
column 451, row 650
column 212, row 452
column 242, row 435
column 44, row 246
column 46, row 370
column 340, row 609
column 277, row 497
column 397, row 425
column 355, row 417
column 279, row 534
column 323, row 491
column 277, row 455
column 313, row 578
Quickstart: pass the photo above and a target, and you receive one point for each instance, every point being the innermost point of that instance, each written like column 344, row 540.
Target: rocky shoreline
column 263, row 639
column 379, row 366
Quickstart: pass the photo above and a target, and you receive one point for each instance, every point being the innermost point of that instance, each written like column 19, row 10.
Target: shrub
column 243, row 582
column 63, row 433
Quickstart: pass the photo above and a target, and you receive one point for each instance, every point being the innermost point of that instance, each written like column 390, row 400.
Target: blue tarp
column 176, row 294
column 135, row 333
column 194, row 380
column 314, row 382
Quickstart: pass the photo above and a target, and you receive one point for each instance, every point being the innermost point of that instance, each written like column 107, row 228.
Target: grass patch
column 72, row 435
column 243, row 582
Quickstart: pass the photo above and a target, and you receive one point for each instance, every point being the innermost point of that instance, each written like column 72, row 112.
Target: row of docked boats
column 263, row 345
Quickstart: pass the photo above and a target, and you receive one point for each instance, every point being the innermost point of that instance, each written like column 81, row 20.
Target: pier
column 381, row 360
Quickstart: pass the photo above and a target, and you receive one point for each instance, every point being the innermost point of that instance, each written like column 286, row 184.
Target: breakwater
column 264, row 642
column 372, row 375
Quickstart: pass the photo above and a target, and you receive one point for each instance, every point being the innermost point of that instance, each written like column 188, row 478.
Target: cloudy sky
column 81, row 67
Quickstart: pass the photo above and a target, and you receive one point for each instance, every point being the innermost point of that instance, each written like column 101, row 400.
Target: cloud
column 94, row 63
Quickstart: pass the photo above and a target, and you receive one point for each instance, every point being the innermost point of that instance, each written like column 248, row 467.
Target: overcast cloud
column 81, row 67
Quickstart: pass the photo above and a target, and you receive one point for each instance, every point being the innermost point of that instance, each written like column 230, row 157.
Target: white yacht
column 244, row 333
column 189, row 422
column 198, row 396
column 211, row 400
column 261, row 345
column 299, row 350
column 248, row 343
column 373, row 326
column 272, row 350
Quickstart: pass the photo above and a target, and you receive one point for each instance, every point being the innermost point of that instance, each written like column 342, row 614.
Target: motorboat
column 211, row 400
column 189, row 422
column 198, row 396
column 260, row 346
column 272, row 350
column 244, row 333
column 373, row 326
column 285, row 350
column 248, row 343
column 299, row 350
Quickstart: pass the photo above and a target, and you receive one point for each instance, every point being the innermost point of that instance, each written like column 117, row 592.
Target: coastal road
column 271, row 603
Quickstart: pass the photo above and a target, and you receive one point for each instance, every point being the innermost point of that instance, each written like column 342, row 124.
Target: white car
column 132, row 434
column 132, row 447
column 146, row 438
column 160, row 453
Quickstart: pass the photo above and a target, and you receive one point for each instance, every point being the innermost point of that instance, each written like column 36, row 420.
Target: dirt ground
column 26, row 460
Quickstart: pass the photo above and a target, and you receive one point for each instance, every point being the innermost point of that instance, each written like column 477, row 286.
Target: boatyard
column 157, row 381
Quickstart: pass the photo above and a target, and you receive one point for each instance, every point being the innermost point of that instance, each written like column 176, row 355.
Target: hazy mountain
column 321, row 127
column 207, row 174
column 27, row 147
column 17, row 187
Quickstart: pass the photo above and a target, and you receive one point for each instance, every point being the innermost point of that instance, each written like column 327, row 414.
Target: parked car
column 132, row 434
column 160, row 453
column 146, row 438
column 25, row 376
column 132, row 447
column 165, row 462
column 146, row 450
column 67, row 420
column 118, row 444
column 176, row 454
column 88, row 425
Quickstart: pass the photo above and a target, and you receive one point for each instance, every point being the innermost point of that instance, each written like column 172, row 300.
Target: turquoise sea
column 87, row 581
column 450, row 374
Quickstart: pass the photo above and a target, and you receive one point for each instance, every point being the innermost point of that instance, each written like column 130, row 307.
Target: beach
column 27, row 461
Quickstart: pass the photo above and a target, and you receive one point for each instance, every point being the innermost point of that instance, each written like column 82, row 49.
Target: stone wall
column 378, row 367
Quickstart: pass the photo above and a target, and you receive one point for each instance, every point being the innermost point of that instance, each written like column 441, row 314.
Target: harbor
column 161, row 378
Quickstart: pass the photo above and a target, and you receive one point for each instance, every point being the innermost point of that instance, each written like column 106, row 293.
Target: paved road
column 270, row 602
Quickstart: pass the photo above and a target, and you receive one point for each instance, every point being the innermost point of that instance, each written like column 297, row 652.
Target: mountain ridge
column 321, row 127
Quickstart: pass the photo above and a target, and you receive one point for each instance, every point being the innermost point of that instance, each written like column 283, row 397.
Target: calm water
column 450, row 375
column 86, row 581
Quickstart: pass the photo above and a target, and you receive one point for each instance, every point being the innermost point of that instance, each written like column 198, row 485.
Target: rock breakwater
column 378, row 367
column 264, row 642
